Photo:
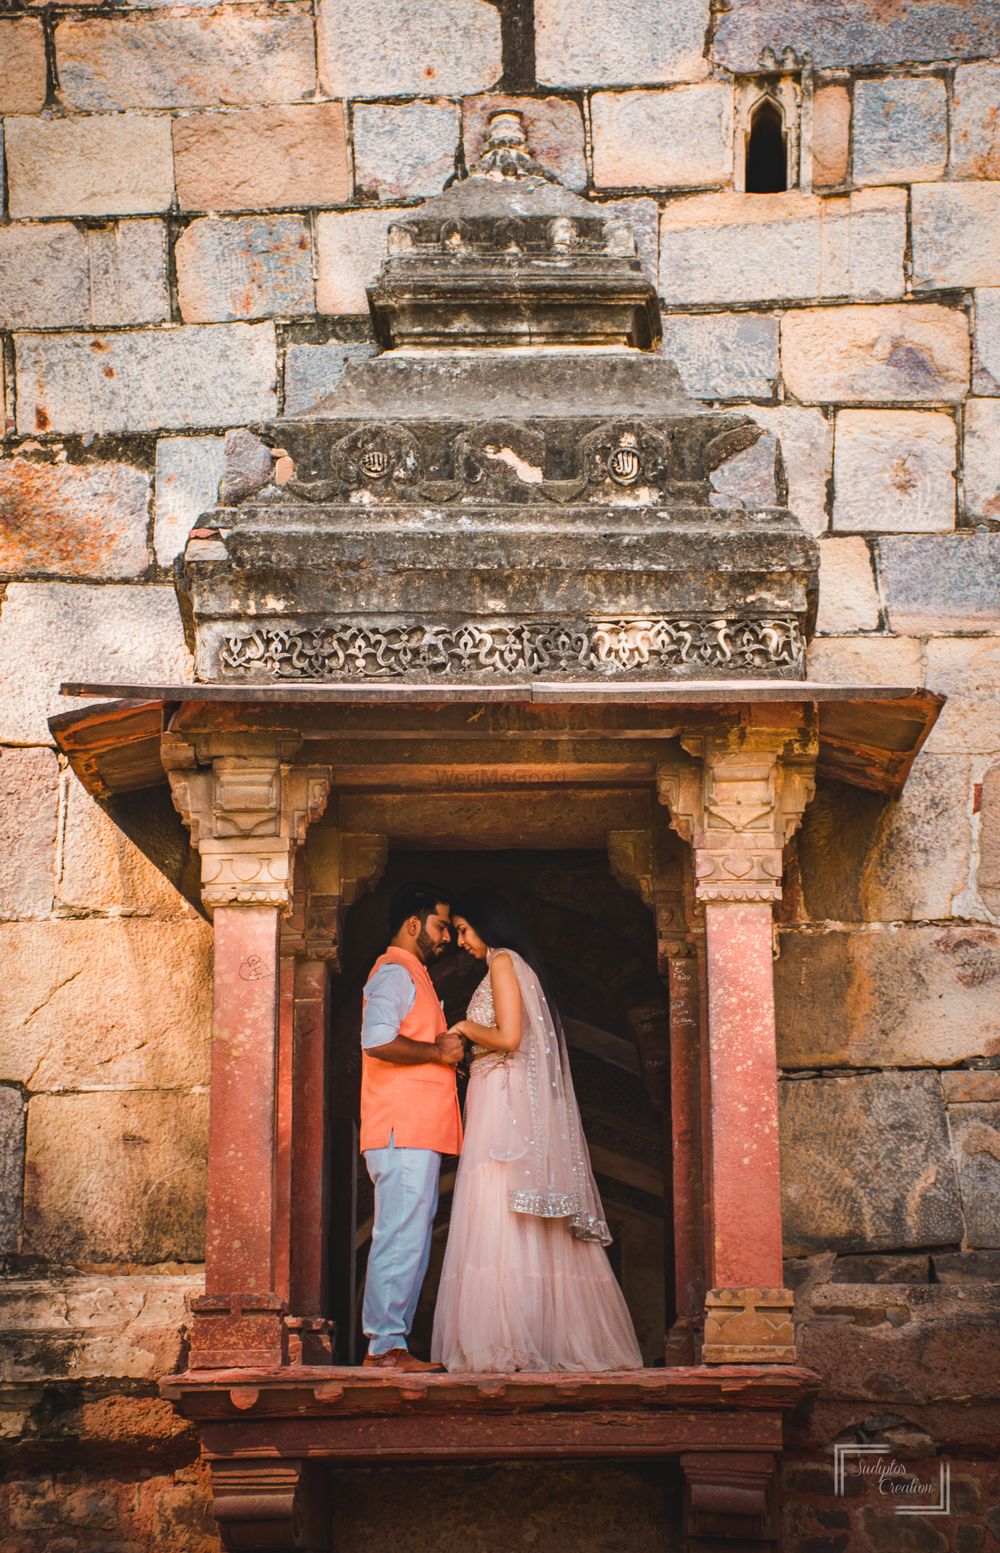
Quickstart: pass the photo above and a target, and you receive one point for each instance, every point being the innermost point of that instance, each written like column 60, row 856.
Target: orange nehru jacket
column 418, row 1104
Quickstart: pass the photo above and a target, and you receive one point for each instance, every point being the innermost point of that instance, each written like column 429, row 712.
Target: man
column 409, row 1116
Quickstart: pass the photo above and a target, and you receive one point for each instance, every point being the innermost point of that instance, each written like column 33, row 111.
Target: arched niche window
column 766, row 133
column 766, row 169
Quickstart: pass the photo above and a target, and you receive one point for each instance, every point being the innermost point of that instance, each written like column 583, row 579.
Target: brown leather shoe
column 400, row 1359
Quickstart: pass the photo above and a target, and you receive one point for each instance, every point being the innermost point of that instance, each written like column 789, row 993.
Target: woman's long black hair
column 498, row 925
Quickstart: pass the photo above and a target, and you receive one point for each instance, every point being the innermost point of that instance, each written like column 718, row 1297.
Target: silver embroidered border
column 555, row 1205
column 621, row 645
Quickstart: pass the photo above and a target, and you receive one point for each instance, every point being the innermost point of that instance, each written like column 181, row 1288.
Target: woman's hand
column 458, row 1028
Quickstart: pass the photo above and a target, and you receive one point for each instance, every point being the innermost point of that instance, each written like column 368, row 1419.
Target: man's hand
column 451, row 1046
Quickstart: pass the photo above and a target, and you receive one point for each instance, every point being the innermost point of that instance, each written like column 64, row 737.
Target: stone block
column 975, row 121
column 988, row 864
column 967, row 671
column 881, row 1269
column 22, row 65
column 676, row 139
column 248, row 267
column 155, row 380
column 888, row 994
column 831, row 136
column 908, row 351
column 918, row 864
column 728, row 248
column 107, row 1003
column 954, row 226
column 848, row 600
column 748, row 479
column 865, row 660
column 643, row 216
column 56, row 631
column 620, row 42
column 404, row 149
column 900, row 129
column 402, row 48
column 986, row 342
column 865, row 1164
column 29, row 797
column 862, row 858
column 553, row 124
column 262, row 158
column 11, row 1167
column 967, row 1266
column 101, row 869
column 53, row 275
column 982, row 458
column 72, row 520
column 970, row 1086
column 723, row 355
column 116, row 1177
column 180, row 61
column 975, row 1131
column 313, row 371
column 894, row 471
column 188, row 471
column 97, row 165
column 86, row 1327
column 350, row 249
column 806, row 441
column 854, row 35
column 941, row 585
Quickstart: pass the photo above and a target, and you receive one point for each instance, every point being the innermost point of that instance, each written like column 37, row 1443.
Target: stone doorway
column 599, row 940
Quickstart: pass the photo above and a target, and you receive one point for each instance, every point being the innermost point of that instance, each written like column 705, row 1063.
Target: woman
column 526, row 1282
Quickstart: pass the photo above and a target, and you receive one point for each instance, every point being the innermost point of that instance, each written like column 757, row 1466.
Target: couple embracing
column 526, row 1282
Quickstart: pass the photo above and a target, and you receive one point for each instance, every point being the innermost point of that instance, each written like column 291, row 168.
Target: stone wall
column 195, row 199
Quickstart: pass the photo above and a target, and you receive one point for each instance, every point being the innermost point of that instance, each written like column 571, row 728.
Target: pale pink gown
column 518, row 1291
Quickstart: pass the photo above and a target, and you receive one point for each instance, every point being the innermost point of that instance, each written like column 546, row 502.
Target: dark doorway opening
column 766, row 150
column 599, row 943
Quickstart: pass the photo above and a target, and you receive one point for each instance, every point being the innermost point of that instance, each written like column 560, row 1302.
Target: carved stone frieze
column 633, row 461
column 609, row 647
column 738, row 806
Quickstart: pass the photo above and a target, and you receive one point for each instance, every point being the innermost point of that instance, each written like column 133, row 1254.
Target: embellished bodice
column 482, row 1012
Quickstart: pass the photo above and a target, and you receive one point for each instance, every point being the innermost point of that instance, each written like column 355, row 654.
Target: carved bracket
column 730, row 1500
column 271, row 1505
column 247, row 815
column 738, row 806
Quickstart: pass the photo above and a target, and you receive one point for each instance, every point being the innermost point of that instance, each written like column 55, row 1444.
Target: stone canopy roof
column 515, row 486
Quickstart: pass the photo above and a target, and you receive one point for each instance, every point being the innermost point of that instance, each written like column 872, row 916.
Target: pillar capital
column 738, row 801
column 247, row 813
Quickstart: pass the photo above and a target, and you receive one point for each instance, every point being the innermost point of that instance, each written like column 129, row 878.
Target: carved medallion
column 625, row 466
column 375, row 463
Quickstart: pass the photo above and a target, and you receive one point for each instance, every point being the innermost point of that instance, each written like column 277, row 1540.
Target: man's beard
column 426, row 947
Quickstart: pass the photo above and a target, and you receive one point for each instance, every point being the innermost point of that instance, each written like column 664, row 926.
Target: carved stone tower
column 516, row 487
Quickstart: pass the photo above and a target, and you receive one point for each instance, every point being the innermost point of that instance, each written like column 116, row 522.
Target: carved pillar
column 738, row 803
column 247, row 813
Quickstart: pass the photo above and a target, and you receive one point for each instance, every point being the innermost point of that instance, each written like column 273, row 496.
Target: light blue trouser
column 406, row 1199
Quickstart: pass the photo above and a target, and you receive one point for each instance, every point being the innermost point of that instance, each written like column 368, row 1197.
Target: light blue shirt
column 389, row 996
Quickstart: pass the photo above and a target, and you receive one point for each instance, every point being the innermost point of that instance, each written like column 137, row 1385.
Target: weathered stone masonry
column 196, row 200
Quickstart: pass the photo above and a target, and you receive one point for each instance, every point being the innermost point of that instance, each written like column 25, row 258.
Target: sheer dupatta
column 549, row 1172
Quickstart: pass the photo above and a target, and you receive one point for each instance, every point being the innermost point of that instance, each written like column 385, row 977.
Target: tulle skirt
column 518, row 1292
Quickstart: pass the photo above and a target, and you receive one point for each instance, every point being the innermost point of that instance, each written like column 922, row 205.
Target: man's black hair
column 415, row 900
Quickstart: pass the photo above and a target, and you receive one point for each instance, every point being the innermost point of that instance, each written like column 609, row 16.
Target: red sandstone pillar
column 737, row 804
column 685, row 1153
column 745, row 1168
column 247, row 813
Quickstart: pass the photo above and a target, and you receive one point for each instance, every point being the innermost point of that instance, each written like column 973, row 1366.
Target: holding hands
column 451, row 1046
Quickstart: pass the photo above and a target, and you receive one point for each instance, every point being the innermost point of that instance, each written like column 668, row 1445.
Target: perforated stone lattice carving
column 612, row 647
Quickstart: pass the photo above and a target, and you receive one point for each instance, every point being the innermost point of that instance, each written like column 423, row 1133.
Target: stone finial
column 506, row 153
